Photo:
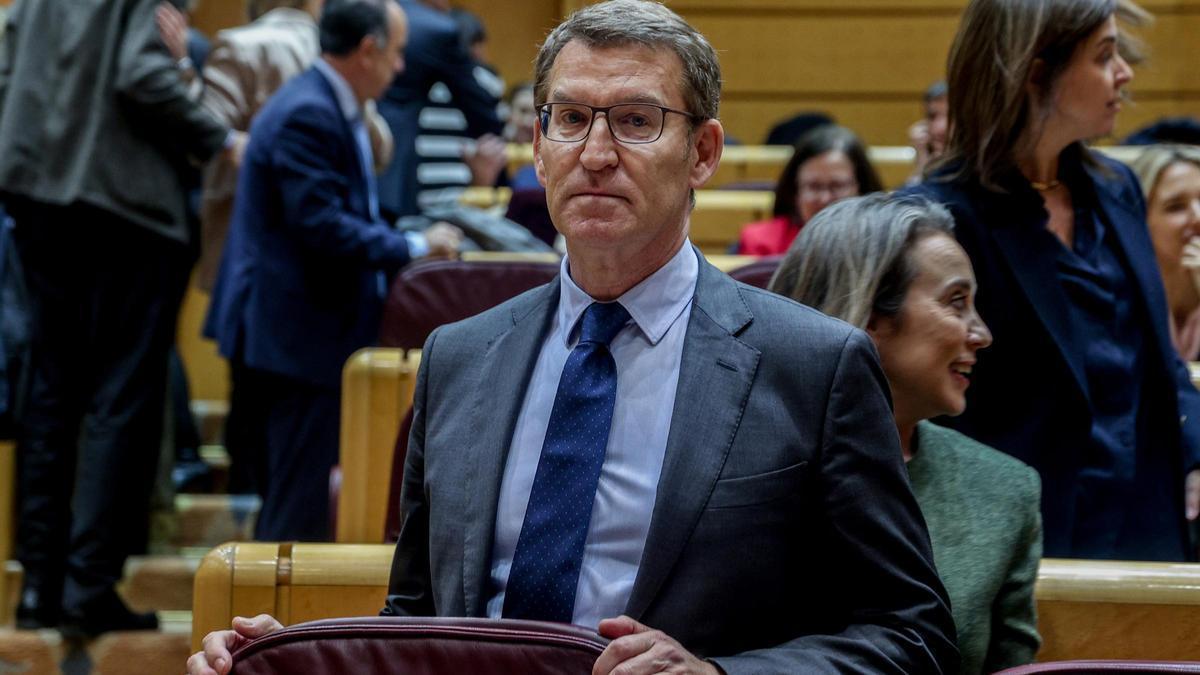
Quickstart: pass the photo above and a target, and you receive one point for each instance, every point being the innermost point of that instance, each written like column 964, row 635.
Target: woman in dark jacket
column 1082, row 383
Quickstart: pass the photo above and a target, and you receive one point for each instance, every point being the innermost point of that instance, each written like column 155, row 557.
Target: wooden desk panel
column 1086, row 609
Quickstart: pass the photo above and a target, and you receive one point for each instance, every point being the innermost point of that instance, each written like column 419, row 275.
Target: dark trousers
column 104, row 296
column 288, row 434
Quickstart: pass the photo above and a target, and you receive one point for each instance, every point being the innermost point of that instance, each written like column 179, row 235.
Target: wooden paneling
column 377, row 391
column 211, row 16
column 8, row 523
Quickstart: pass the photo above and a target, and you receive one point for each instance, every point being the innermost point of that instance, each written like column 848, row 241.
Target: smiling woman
column 891, row 267
column 1083, row 383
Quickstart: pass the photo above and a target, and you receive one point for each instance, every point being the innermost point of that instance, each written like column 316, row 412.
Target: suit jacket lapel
column 508, row 363
column 715, row 377
column 1035, row 268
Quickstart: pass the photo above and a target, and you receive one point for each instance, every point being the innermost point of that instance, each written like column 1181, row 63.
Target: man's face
column 937, row 114
column 632, row 199
column 382, row 65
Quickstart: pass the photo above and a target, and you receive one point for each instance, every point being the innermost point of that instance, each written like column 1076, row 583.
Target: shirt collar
column 654, row 303
column 341, row 90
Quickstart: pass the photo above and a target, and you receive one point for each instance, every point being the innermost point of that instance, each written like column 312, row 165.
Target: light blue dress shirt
column 647, row 353
column 417, row 245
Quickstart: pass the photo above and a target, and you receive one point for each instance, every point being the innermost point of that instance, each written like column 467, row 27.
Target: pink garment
column 768, row 237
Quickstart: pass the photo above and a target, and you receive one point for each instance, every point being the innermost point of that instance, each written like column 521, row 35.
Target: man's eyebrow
column 561, row 95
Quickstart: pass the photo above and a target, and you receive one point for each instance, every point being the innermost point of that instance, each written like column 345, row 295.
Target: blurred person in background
column 437, row 109
column 828, row 164
column 307, row 261
column 891, row 267
column 92, row 177
column 1170, row 179
column 928, row 135
column 1083, row 382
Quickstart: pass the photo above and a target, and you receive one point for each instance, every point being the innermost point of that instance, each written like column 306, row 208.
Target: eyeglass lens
column 629, row 123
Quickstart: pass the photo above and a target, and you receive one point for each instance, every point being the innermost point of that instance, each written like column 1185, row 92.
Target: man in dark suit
column 94, row 125
column 437, row 66
column 308, row 258
column 706, row 473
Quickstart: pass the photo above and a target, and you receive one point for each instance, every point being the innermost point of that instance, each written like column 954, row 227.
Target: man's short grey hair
column 618, row 23
column 852, row 262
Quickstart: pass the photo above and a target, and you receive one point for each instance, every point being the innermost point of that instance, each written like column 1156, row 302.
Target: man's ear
column 708, row 141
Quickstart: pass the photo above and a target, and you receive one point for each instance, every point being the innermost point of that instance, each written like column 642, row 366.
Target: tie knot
column 602, row 322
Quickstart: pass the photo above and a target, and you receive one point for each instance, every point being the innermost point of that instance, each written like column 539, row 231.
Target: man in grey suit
column 706, row 473
column 94, row 125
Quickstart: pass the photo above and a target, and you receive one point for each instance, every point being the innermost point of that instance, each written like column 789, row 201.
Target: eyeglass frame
column 544, row 119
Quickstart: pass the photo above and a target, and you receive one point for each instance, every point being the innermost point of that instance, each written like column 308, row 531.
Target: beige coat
column 246, row 66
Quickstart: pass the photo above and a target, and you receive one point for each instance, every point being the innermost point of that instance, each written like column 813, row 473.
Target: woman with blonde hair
column 1170, row 178
column 891, row 267
column 1083, row 383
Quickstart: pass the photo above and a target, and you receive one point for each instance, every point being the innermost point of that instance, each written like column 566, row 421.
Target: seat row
column 1086, row 609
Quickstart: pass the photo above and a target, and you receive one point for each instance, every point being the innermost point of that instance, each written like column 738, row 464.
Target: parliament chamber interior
column 867, row 65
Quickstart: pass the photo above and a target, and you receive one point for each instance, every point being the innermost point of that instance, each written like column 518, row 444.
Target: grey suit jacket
column 784, row 537
column 93, row 110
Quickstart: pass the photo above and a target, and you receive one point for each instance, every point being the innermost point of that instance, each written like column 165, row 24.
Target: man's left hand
column 1191, row 494
column 637, row 649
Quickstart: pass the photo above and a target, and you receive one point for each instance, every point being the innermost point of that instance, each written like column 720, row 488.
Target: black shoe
column 104, row 615
column 37, row 610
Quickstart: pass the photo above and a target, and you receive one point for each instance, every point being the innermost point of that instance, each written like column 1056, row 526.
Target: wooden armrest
column 377, row 391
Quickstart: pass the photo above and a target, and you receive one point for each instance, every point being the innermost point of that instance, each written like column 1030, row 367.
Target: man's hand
column 216, row 658
column 444, row 240
column 486, row 160
column 1191, row 494
column 237, row 150
column 639, row 649
column 172, row 25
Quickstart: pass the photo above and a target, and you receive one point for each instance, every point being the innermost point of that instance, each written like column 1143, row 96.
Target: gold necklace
column 1045, row 187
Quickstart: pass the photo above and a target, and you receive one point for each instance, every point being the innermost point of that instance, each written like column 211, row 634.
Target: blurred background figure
column 891, row 267
column 829, row 163
column 928, row 135
column 791, row 130
column 92, row 176
column 1083, row 383
column 1170, row 178
column 442, row 102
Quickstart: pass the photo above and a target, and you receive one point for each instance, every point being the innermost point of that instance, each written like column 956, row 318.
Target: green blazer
column 982, row 509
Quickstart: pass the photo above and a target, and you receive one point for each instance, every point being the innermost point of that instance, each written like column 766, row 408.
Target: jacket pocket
column 760, row 488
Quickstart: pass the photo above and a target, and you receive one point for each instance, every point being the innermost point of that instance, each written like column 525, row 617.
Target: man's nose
column 599, row 147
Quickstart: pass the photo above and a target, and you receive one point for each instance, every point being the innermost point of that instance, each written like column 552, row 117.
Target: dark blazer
column 784, row 537
column 434, row 53
column 299, row 287
column 92, row 110
column 1028, row 395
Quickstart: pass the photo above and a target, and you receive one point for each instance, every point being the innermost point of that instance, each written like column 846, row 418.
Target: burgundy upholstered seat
column 1127, row 667
column 757, row 273
column 422, row 646
column 426, row 295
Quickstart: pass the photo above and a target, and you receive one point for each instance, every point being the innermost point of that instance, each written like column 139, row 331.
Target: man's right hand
column 216, row 659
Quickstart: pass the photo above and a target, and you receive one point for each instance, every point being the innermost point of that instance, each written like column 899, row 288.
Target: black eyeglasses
column 568, row 122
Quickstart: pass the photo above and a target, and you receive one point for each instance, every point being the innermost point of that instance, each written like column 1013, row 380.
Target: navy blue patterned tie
column 545, row 568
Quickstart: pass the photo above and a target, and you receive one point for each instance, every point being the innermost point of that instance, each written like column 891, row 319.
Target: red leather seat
column 757, row 273
column 428, row 294
column 1144, row 667
column 422, row 646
